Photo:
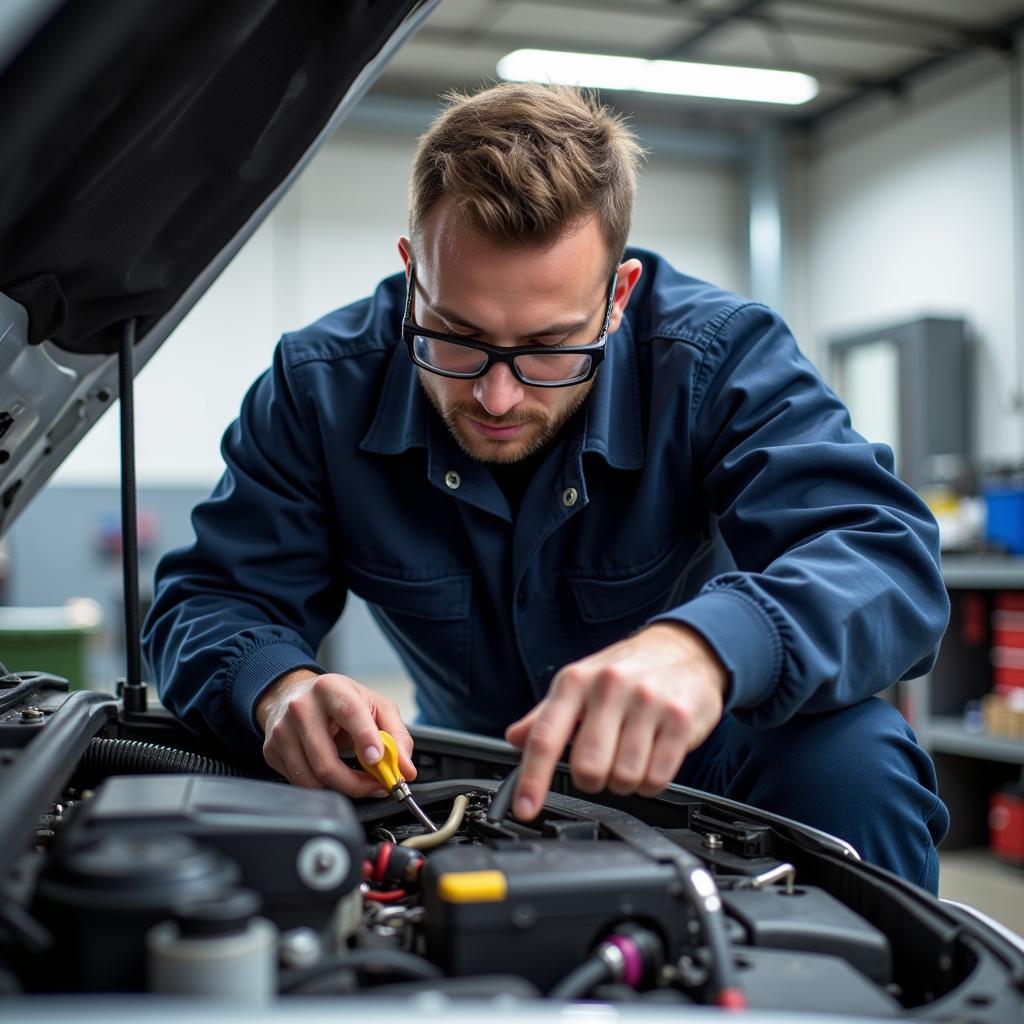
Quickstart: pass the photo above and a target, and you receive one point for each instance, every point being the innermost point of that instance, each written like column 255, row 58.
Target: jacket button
column 569, row 497
column 452, row 479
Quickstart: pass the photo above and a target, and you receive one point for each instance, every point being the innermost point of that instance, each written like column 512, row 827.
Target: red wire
column 392, row 896
column 383, row 857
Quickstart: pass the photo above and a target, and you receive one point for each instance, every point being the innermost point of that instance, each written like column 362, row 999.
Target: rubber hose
column 502, row 798
column 721, row 972
column 130, row 757
column 578, row 982
column 429, row 840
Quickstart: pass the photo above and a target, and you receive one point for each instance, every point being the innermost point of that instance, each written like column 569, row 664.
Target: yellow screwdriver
column 387, row 773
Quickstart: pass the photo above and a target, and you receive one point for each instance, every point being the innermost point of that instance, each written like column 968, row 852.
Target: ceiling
column 854, row 47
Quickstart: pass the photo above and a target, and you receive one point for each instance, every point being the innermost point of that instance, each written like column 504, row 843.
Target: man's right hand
column 308, row 718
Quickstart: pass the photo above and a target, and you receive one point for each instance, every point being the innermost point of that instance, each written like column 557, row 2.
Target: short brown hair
column 524, row 162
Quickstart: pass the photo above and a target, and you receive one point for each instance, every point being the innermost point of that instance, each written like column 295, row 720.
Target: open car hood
column 144, row 142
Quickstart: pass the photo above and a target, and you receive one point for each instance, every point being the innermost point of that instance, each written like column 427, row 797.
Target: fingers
column 550, row 731
column 634, row 745
column 632, row 736
column 346, row 702
column 359, row 784
column 667, row 755
column 306, row 756
column 593, row 756
column 309, row 719
column 283, row 751
column 390, row 720
column 304, row 732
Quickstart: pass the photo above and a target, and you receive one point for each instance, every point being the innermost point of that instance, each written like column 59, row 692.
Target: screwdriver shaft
column 419, row 813
column 402, row 793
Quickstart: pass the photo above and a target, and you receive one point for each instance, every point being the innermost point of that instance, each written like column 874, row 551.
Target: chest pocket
column 427, row 617
column 613, row 605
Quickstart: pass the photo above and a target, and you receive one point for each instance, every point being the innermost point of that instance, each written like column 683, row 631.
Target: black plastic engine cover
column 537, row 909
column 799, row 983
column 300, row 849
column 811, row 920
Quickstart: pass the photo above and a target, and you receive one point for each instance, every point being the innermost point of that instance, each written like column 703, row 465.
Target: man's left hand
column 640, row 706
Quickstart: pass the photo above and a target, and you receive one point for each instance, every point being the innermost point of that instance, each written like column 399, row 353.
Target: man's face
column 468, row 285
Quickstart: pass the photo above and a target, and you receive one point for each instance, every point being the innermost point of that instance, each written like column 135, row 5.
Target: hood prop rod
column 133, row 689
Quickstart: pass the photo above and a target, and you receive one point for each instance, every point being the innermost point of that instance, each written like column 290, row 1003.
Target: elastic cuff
column 255, row 670
column 744, row 638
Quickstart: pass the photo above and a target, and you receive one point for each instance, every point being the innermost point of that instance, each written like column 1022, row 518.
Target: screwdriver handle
column 386, row 770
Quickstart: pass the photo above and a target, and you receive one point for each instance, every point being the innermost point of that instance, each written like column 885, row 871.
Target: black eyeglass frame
column 502, row 354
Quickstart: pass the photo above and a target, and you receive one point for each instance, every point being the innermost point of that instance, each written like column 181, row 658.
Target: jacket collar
column 613, row 426
column 403, row 410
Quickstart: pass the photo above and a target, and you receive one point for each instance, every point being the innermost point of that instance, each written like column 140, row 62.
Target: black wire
column 498, row 810
column 129, row 533
column 363, row 961
column 581, row 980
column 721, row 971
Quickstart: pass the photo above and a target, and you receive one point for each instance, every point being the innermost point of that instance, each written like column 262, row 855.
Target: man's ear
column 626, row 278
column 405, row 251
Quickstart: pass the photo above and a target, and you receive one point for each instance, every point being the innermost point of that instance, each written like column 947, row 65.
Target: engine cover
column 537, row 909
column 300, row 849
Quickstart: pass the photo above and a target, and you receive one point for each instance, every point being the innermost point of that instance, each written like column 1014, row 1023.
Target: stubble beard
column 486, row 450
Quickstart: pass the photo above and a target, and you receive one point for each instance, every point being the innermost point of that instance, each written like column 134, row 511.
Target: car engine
column 151, row 866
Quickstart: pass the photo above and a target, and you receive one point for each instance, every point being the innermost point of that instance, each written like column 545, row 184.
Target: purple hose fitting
column 633, row 961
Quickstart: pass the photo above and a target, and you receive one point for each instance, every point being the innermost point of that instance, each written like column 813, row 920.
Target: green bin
column 53, row 640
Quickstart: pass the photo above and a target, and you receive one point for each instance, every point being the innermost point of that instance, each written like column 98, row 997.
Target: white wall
column 908, row 211
column 327, row 244
column 695, row 215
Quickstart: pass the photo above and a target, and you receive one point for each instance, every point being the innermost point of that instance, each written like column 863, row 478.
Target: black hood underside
column 140, row 137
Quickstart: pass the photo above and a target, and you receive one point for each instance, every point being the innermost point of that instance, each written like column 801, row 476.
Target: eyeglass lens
column 461, row 361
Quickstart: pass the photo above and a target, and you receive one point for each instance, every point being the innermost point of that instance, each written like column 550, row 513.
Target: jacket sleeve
column 255, row 593
column 837, row 591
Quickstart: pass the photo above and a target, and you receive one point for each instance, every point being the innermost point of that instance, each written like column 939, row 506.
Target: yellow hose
column 428, row 840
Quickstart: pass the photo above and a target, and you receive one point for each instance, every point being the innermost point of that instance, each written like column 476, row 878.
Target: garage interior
column 884, row 218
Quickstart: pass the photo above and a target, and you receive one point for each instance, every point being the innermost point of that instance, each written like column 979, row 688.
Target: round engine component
column 100, row 897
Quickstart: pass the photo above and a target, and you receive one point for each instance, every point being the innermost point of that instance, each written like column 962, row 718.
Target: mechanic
column 586, row 496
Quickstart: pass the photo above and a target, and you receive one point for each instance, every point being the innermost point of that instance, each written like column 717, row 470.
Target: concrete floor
column 978, row 879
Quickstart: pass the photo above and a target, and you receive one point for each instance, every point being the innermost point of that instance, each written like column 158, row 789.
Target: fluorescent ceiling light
column 676, row 78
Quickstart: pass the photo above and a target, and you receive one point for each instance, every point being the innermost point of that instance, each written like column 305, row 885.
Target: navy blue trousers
column 857, row 773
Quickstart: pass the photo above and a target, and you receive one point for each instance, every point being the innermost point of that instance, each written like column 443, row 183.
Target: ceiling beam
column 909, row 38
column 897, row 84
column 683, row 47
column 911, row 19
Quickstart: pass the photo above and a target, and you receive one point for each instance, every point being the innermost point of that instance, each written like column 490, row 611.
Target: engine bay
column 153, row 867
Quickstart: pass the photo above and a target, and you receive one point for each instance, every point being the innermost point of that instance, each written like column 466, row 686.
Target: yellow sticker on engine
column 473, row 887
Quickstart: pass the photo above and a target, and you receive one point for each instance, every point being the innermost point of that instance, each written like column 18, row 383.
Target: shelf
column 983, row 571
column 945, row 735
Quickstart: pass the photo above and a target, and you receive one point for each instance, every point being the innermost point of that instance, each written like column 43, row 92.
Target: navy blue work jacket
column 711, row 478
